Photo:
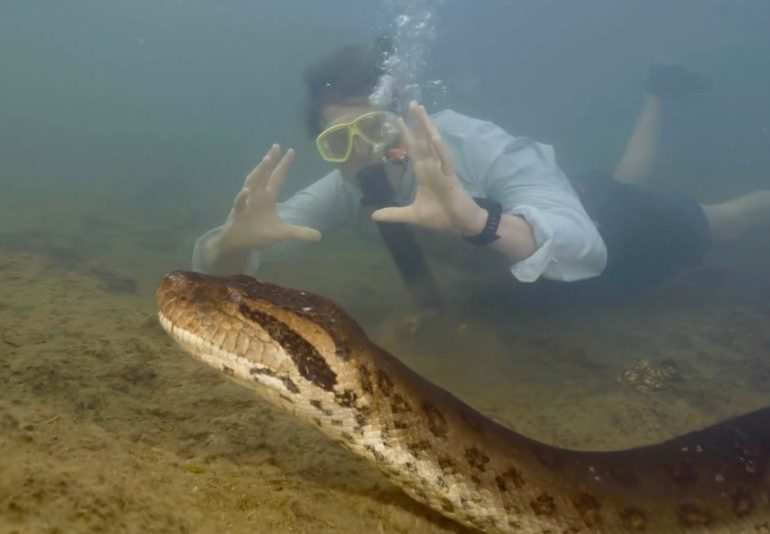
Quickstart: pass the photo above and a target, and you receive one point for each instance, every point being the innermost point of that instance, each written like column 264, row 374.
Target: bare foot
column 733, row 218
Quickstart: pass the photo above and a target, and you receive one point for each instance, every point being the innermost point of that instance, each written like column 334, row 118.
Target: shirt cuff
column 197, row 256
column 530, row 268
column 200, row 266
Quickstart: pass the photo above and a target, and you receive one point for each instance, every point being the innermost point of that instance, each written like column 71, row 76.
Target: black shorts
column 650, row 236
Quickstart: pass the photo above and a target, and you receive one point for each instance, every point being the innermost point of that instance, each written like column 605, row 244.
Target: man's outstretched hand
column 441, row 202
column 253, row 221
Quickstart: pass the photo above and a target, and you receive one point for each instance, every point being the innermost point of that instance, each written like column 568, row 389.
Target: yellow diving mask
column 376, row 128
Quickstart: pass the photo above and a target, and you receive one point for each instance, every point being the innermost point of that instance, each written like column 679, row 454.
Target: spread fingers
column 275, row 181
column 259, row 176
column 241, row 199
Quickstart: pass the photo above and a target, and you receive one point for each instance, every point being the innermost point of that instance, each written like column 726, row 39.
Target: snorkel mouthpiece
column 397, row 155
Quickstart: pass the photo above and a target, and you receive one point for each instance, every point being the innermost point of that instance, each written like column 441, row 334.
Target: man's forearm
column 516, row 241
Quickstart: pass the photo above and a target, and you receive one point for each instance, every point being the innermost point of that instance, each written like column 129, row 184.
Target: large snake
column 304, row 353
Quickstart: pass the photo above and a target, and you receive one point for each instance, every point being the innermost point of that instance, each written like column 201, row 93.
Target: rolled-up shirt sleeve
column 523, row 176
column 328, row 203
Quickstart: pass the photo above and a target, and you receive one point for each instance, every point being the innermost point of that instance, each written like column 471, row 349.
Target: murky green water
column 125, row 131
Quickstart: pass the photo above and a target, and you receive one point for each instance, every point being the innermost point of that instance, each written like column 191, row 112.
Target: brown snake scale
column 305, row 354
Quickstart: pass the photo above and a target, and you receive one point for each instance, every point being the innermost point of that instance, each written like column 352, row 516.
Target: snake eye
column 235, row 297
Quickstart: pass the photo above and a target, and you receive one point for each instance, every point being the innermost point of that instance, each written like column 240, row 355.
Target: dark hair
column 349, row 72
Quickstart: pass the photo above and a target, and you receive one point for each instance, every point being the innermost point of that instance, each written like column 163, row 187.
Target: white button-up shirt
column 517, row 172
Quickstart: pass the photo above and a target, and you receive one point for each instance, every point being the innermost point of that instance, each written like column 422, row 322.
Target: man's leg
column 666, row 83
column 729, row 220
column 639, row 155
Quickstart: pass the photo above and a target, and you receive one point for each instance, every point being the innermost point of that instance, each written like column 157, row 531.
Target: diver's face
column 363, row 154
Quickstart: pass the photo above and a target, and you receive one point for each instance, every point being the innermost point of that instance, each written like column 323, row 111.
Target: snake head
column 259, row 324
column 187, row 298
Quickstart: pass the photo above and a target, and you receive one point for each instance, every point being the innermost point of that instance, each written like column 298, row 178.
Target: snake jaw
column 231, row 363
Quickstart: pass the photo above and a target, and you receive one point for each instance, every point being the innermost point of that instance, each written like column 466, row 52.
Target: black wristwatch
column 489, row 233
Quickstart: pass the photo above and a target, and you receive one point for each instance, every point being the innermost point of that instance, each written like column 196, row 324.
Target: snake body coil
column 305, row 354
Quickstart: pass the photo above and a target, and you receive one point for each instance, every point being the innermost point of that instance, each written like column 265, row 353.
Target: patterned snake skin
column 304, row 353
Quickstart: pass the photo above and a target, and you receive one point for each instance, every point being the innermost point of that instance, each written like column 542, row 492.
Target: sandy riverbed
column 107, row 427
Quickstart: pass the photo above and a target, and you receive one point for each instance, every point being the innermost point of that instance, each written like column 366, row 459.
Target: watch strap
column 494, row 215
